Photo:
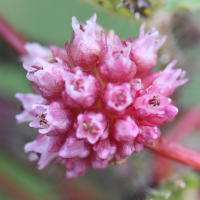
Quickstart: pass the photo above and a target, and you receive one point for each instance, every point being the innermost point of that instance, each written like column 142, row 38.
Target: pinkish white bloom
column 85, row 47
column 74, row 147
column 116, row 98
column 35, row 50
column 28, row 114
column 45, row 74
column 116, row 65
column 125, row 149
column 77, row 167
column 169, row 79
column 40, row 146
column 53, row 119
column 105, row 149
column 125, row 129
column 144, row 49
column 82, row 89
column 155, row 107
column 92, row 126
column 148, row 133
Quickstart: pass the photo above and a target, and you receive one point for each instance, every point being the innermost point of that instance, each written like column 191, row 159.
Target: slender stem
column 176, row 152
column 13, row 39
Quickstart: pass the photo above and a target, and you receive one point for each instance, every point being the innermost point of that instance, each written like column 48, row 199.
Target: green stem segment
column 13, row 39
column 176, row 152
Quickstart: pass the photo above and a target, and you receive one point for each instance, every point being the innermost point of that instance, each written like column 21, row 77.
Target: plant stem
column 14, row 40
column 176, row 152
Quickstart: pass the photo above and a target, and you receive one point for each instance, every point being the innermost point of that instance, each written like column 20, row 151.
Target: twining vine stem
column 176, row 152
column 11, row 37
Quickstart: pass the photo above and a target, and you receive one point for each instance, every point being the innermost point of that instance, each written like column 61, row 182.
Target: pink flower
column 41, row 146
column 116, row 98
column 36, row 50
column 144, row 49
column 74, row 147
column 155, row 107
column 169, row 79
column 125, row 149
column 148, row 133
column 53, row 119
column 125, row 129
column 116, row 64
column 92, row 125
column 82, row 89
column 28, row 100
column 105, row 149
column 45, row 74
column 99, row 101
column 77, row 167
column 85, row 47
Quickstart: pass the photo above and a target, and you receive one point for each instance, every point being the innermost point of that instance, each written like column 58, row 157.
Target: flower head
column 99, row 102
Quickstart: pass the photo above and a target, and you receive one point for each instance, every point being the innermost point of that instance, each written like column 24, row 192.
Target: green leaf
column 183, row 188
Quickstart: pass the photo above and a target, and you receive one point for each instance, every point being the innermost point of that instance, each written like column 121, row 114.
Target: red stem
column 176, row 152
column 15, row 41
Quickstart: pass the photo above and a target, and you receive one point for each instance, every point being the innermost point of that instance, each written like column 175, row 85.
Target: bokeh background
column 49, row 22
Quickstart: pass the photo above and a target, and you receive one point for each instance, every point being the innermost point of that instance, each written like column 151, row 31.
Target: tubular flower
column 144, row 49
column 99, row 102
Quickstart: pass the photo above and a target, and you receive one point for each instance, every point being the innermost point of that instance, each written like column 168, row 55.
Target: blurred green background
column 49, row 22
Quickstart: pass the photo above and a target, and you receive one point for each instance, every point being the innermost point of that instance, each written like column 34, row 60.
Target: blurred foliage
column 183, row 188
column 146, row 8
column 124, row 8
column 21, row 180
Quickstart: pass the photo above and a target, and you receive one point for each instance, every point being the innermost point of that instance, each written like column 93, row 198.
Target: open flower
column 28, row 114
column 116, row 64
column 169, row 79
column 116, row 98
column 144, row 49
column 92, row 126
column 155, row 107
column 82, row 89
column 53, row 119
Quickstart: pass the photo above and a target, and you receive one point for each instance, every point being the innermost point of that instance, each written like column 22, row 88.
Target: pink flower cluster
column 97, row 100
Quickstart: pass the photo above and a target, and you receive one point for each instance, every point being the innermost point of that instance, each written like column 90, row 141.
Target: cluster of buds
column 97, row 101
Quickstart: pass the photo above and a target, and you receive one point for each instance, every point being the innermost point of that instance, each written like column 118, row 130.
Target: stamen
column 89, row 127
column 119, row 98
column 42, row 115
column 36, row 69
column 82, row 28
column 78, row 85
column 154, row 101
column 43, row 121
column 116, row 54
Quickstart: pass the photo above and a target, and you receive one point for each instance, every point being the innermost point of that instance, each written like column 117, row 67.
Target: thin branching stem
column 11, row 37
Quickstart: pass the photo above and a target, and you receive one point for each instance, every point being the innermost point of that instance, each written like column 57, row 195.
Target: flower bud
column 85, row 47
column 144, row 49
column 125, row 129
column 116, row 65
